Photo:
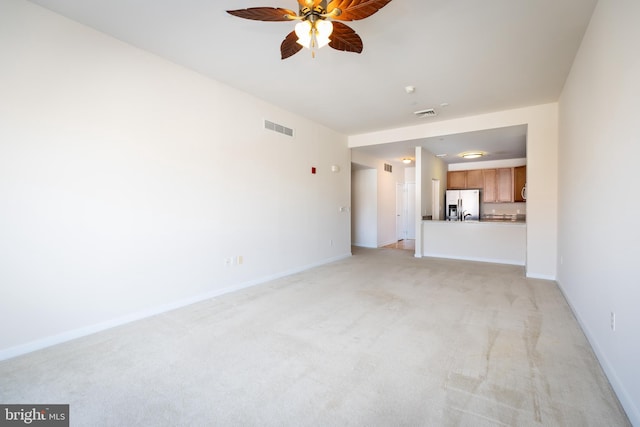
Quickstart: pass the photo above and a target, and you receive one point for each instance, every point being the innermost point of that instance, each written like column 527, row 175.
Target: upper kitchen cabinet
column 475, row 179
column 501, row 185
column 489, row 190
column 519, row 182
column 462, row 180
column 456, row 180
column 498, row 185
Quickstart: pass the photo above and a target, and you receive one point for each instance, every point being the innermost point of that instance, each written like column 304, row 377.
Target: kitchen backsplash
column 503, row 209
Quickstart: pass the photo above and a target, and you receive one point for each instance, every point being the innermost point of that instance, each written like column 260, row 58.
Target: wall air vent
column 388, row 168
column 425, row 113
column 278, row 128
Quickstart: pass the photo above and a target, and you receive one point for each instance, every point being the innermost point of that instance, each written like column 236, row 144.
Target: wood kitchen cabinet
column 475, row 179
column 498, row 185
column 462, row 180
column 456, row 180
column 519, row 181
column 504, row 179
column 501, row 185
column 489, row 190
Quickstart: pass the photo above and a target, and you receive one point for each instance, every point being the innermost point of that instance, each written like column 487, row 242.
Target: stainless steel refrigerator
column 462, row 205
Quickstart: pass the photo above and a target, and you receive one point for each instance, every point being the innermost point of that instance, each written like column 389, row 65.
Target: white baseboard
column 102, row 326
column 540, row 276
column 630, row 406
column 364, row 245
column 477, row 259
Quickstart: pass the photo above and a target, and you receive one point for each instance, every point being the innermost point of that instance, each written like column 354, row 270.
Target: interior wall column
column 418, row 204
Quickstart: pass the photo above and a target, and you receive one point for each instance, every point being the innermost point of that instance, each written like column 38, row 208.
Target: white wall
column 598, row 226
column 428, row 168
column 487, row 164
column 468, row 241
column 387, row 232
column 432, row 168
column 542, row 170
column 364, row 208
column 410, row 174
column 127, row 181
column 386, row 194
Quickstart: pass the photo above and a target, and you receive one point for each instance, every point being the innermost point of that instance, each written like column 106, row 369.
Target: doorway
column 405, row 216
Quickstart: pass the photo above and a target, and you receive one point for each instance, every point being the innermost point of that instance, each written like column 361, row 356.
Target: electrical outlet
column 228, row 262
column 561, row 260
column 613, row 321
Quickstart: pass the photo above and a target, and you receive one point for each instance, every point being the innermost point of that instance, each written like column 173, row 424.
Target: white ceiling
column 498, row 144
column 477, row 56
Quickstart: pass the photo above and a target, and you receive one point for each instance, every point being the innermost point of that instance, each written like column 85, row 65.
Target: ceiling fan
column 318, row 23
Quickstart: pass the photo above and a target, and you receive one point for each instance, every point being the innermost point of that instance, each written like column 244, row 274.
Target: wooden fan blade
column 264, row 14
column 290, row 45
column 345, row 39
column 352, row 10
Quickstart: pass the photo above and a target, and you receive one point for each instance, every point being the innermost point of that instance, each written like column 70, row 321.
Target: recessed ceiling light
column 472, row 154
column 444, row 104
column 441, row 155
column 409, row 89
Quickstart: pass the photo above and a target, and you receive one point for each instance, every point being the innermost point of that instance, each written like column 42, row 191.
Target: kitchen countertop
column 483, row 221
column 492, row 218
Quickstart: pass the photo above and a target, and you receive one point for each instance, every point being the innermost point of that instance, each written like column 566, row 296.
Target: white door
column 401, row 229
column 405, row 211
column 410, row 210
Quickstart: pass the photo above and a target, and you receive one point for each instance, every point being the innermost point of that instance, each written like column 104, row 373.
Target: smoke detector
column 425, row 113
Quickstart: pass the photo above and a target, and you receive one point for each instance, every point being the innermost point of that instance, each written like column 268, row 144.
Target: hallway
column 406, row 244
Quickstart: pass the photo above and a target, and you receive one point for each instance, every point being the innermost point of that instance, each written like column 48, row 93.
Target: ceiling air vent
column 278, row 128
column 425, row 113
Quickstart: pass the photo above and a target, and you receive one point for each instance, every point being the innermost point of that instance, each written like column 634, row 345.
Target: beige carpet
column 380, row 339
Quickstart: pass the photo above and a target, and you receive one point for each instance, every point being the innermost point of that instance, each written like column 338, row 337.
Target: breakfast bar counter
column 501, row 242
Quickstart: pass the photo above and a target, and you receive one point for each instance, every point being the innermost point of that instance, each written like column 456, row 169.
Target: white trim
column 362, row 245
column 462, row 258
column 540, row 276
column 99, row 327
column 629, row 405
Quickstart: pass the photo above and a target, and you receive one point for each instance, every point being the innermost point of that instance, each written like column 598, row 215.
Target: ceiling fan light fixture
column 314, row 33
column 324, row 29
column 316, row 23
column 303, row 31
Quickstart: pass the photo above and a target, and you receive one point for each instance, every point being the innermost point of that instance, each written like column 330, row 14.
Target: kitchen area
column 493, row 228
column 507, row 140
column 484, row 217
